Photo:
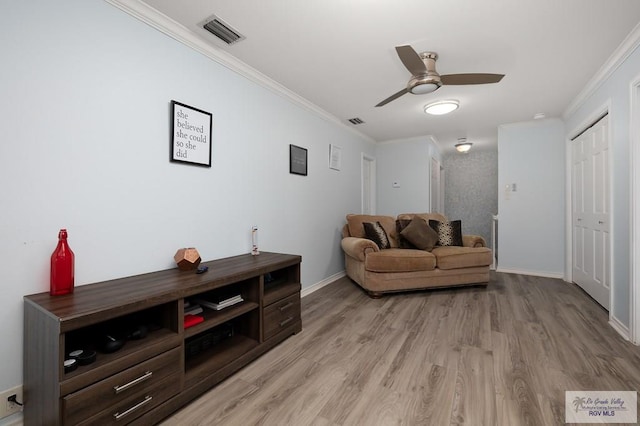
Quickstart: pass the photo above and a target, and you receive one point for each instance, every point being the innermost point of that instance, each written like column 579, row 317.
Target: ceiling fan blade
column 411, row 60
column 458, row 79
column 393, row 97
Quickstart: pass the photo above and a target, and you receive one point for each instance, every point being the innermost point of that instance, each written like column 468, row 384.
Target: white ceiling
column 340, row 56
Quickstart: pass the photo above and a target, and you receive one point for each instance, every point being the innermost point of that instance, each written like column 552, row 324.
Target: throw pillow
column 449, row 233
column 420, row 234
column 376, row 233
column 403, row 243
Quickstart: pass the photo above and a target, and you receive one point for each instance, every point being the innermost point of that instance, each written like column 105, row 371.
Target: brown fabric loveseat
column 400, row 269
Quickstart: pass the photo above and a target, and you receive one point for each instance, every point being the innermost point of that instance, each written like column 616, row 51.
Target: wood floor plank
column 501, row 355
column 474, row 396
column 551, row 410
column 367, row 370
column 507, row 408
column 432, row 332
column 469, row 321
column 304, row 404
column 381, row 407
column 215, row 407
column 431, row 402
column 275, row 393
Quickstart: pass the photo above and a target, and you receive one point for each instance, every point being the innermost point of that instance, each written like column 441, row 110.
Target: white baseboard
column 543, row 274
column 13, row 420
column 317, row 286
column 622, row 329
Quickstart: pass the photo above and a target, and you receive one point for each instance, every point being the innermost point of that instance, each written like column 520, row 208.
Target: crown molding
column 182, row 34
column 422, row 138
column 617, row 58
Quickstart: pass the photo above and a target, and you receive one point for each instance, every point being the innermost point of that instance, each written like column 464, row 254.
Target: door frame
column 634, row 196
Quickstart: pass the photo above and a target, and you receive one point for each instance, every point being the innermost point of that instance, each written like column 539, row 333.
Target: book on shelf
column 191, row 320
column 220, row 303
column 192, row 309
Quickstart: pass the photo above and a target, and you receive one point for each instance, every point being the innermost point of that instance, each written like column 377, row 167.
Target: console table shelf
column 162, row 366
column 214, row 318
column 199, row 367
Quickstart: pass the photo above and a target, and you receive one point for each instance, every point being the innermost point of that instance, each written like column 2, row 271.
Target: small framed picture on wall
column 297, row 160
column 335, row 157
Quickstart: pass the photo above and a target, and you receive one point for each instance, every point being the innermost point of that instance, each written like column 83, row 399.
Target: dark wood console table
column 150, row 377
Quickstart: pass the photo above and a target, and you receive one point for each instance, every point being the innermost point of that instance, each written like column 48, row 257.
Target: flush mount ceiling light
column 442, row 107
column 463, row 146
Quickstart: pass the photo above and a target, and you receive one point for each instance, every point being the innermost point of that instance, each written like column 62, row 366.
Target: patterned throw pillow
column 376, row 233
column 449, row 233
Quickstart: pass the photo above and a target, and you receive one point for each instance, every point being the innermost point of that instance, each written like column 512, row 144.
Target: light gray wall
column 408, row 163
column 471, row 190
column 531, row 220
column 85, row 113
column 614, row 95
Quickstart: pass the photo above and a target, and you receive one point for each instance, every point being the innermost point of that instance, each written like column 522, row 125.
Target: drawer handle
column 122, row 388
column 139, row 405
column 287, row 321
column 285, row 307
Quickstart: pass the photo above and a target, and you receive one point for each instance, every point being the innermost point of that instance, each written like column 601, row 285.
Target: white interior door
column 435, row 187
column 368, row 185
column 591, row 211
column 442, row 190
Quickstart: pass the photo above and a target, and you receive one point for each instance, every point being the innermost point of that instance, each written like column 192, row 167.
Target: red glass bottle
column 62, row 261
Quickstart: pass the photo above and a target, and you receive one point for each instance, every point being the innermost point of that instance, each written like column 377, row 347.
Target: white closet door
column 590, row 204
column 435, row 188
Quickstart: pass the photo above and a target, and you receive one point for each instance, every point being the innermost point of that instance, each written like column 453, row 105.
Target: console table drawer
column 281, row 314
column 136, row 405
column 120, row 388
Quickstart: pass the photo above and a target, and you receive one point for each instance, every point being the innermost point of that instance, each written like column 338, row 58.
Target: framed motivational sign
column 190, row 135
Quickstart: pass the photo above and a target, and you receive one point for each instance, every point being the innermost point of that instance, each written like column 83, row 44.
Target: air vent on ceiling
column 356, row 121
column 222, row 30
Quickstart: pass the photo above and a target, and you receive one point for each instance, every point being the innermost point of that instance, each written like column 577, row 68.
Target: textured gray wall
column 471, row 190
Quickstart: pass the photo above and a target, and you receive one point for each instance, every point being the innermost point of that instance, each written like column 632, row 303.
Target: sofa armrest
column 473, row 241
column 358, row 247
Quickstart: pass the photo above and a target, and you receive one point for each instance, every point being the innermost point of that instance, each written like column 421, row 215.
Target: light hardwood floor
column 501, row 355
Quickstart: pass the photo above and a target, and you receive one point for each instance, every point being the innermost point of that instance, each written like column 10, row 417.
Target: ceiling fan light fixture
column 442, row 107
column 421, row 89
column 463, row 146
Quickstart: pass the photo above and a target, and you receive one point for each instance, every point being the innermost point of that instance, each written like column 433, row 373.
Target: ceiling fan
column 425, row 78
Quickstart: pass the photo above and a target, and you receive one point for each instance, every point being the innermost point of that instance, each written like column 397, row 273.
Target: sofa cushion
column 449, row 233
column 461, row 257
column 356, row 229
column 400, row 260
column 375, row 232
column 402, row 241
column 420, row 234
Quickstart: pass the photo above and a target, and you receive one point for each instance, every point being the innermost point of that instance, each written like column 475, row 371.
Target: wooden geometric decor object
column 187, row 258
